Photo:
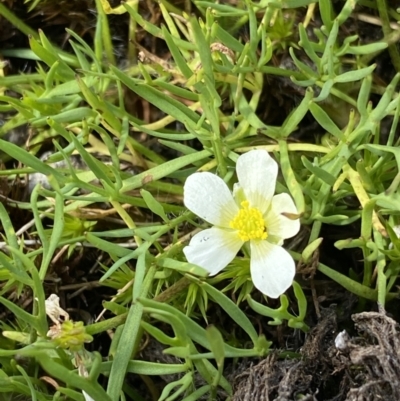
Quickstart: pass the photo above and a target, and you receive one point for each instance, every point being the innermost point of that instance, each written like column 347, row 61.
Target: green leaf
column 217, row 345
column 148, row 368
column 115, row 308
column 153, row 204
column 325, row 9
column 69, row 116
column 18, row 273
column 367, row 49
column 109, row 247
column 385, row 105
column 235, row 313
column 222, row 9
column 325, row 90
column 159, row 335
column 182, row 267
column 163, row 170
column 22, row 315
column 72, row 379
column 180, row 61
column 293, row 185
column 319, row 172
column 294, row 118
column 307, row 46
column 18, row 270
column 101, row 171
column 194, row 330
column 129, row 336
column 177, row 90
column 352, row 76
column 304, row 68
column 50, row 56
column 324, row 120
column 310, row 249
column 154, row 30
column 56, row 234
column 227, row 39
column 363, row 95
column 197, row 395
column 27, row 159
column 168, row 105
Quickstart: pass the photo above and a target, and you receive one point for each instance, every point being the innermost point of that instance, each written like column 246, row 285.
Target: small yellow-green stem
column 380, row 269
column 292, row 147
column 366, row 230
column 255, row 99
column 291, row 181
column 117, row 10
column 209, row 165
column 232, row 79
column 162, row 123
column 362, row 196
column 127, row 219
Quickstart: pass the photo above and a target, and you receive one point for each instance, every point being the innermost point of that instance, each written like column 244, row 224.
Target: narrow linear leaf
column 165, row 103
column 129, row 336
column 163, row 170
column 235, row 313
column 26, row 158
column 180, row 61
column 71, row 378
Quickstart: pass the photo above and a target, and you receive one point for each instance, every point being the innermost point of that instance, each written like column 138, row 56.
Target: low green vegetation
column 92, row 198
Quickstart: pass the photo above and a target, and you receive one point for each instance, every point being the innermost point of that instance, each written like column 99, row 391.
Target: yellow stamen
column 249, row 223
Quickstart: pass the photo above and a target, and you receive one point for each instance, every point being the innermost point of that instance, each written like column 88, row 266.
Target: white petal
column 257, row 173
column 279, row 225
column 213, row 249
column 208, row 196
column 272, row 268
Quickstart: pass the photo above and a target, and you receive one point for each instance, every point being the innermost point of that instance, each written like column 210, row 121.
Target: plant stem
column 383, row 14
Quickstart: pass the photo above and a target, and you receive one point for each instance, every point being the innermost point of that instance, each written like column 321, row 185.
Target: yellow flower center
column 249, row 223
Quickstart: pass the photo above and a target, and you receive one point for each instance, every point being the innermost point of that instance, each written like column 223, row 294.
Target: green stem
column 11, row 17
column 105, row 325
column 380, row 266
column 217, row 146
column 347, row 283
column 290, row 179
column 104, row 28
column 315, row 230
column 165, row 296
column 384, row 15
column 292, row 147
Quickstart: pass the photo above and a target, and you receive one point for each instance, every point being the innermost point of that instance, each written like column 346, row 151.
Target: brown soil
column 363, row 367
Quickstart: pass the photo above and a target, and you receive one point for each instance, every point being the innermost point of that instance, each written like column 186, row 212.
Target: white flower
column 251, row 214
